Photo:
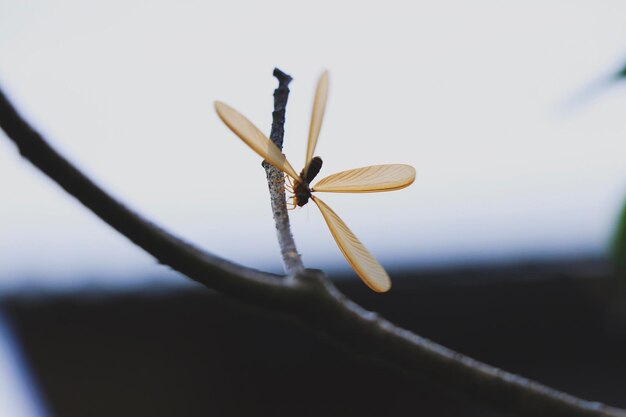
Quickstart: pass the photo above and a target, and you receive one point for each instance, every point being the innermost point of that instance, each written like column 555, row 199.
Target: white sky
column 501, row 108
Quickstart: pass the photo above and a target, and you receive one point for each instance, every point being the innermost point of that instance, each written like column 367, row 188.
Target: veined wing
column 254, row 138
column 319, row 105
column 359, row 258
column 368, row 179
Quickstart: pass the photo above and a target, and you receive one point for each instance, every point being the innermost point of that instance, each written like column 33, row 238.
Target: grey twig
column 276, row 179
column 308, row 296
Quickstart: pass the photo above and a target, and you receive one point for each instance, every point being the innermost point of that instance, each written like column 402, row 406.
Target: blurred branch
column 618, row 244
column 616, row 312
column 621, row 74
column 308, row 297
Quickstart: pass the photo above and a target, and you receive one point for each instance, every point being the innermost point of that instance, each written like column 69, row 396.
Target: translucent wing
column 357, row 256
column 254, row 138
column 321, row 94
column 368, row 179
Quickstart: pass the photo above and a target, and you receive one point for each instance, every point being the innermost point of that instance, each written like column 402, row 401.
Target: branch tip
column 282, row 77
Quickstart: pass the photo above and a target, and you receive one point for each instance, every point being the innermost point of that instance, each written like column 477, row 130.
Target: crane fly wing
column 254, row 138
column 359, row 258
column 319, row 105
column 368, row 179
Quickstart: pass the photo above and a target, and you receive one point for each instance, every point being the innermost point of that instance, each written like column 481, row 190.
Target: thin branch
column 308, row 296
column 210, row 270
column 373, row 336
column 276, row 179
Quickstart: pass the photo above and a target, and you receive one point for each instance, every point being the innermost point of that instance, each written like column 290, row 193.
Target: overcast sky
column 503, row 109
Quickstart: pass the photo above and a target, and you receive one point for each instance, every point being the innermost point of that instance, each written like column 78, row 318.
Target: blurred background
column 512, row 114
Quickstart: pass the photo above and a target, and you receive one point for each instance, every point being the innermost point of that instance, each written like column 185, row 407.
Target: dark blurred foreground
column 196, row 353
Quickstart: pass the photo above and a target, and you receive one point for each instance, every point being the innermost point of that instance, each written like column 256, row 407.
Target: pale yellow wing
column 319, row 105
column 368, row 179
column 254, row 138
column 359, row 258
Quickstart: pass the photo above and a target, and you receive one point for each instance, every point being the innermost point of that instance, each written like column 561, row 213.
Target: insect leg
column 293, row 202
column 289, row 184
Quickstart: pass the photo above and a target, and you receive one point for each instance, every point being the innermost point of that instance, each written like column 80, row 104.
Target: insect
column 360, row 180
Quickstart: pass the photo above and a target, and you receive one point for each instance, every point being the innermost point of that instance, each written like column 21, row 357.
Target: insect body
column 302, row 190
column 360, row 180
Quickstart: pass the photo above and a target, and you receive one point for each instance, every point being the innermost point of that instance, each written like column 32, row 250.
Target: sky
column 504, row 109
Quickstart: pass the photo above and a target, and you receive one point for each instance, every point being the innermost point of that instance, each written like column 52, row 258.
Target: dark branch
column 308, row 296
column 281, row 95
column 208, row 269
column 370, row 335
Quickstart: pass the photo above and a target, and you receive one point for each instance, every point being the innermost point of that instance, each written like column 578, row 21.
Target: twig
column 308, row 296
column 276, row 179
column 165, row 247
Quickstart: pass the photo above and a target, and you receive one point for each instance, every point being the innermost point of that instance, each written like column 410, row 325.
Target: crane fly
column 373, row 178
